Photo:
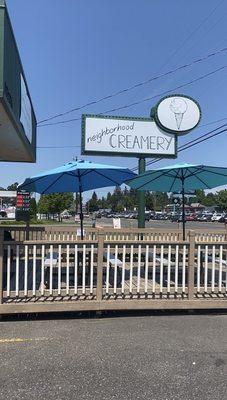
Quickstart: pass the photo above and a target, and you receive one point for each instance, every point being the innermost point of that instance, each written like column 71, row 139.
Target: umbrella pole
column 183, row 209
column 81, row 217
column 81, row 208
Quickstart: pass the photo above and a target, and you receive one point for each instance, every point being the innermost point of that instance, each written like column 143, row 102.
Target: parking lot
column 158, row 357
column 132, row 223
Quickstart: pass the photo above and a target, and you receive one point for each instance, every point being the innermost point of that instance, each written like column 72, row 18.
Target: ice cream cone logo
column 179, row 107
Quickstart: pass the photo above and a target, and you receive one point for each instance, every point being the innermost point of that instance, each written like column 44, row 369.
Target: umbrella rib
column 174, row 180
column 201, row 169
column 86, row 172
column 59, row 177
column 33, row 181
column 152, row 180
column 125, row 171
column 104, row 176
column 99, row 173
column 203, row 182
column 193, row 173
column 215, row 173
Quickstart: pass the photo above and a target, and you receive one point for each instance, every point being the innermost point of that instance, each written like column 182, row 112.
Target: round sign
column 177, row 113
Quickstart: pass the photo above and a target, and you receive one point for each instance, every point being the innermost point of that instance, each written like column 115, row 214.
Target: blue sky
column 77, row 51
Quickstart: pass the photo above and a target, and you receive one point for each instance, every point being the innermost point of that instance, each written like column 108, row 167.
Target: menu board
column 23, row 206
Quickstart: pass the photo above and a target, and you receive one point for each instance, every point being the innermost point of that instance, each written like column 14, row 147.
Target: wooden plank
column 94, row 305
column 191, row 265
column 1, row 264
column 100, row 266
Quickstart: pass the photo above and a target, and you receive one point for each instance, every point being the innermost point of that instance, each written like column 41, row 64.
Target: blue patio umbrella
column 180, row 178
column 77, row 176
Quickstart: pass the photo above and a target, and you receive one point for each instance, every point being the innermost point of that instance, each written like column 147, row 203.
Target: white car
column 216, row 217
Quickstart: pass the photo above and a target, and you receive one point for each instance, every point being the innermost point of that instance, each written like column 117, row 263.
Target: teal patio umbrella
column 77, row 176
column 180, row 178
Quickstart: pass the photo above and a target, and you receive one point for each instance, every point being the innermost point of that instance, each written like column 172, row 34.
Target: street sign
column 188, row 193
column 177, row 113
column 126, row 136
column 17, row 117
column 23, row 206
column 176, row 200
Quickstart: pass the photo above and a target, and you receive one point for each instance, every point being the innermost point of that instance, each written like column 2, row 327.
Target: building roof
column 197, row 205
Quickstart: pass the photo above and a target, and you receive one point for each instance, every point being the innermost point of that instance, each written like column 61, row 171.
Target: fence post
column 191, row 265
column 180, row 235
column 100, row 266
column 1, row 263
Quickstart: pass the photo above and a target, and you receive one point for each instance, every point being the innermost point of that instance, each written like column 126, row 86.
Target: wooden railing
column 70, row 233
column 109, row 273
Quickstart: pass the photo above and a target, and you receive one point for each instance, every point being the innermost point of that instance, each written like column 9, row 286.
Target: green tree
column 149, row 201
column 92, row 204
column 200, row 196
column 43, row 204
column 221, row 200
column 108, row 198
column 13, row 186
column 103, row 203
column 210, row 200
column 33, row 208
column 55, row 203
column 160, row 200
column 117, row 199
column 119, row 208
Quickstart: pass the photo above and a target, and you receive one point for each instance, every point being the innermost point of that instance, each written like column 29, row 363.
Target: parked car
column 216, row 217
column 134, row 215
column 223, row 219
column 204, row 217
column 176, row 218
column 147, row 216
column 65, row 215
column 190, row 217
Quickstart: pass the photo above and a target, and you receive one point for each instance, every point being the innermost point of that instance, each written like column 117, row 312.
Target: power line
column 194, row 141
column 191, row 34
column 203, row 140
column 57, row 147
column 145, row 82
column 212, row 122
column 189, row 37
column 191, row 143
column 144, row 100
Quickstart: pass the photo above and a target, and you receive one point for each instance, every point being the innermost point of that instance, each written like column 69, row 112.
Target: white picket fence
column 150, row 269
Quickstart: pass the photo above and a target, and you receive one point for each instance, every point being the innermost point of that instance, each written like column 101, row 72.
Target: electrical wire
column 191, row 34
column 183, row 44
column 189, row 144
column 145, row 82
column 144, row 100
column 57, row 147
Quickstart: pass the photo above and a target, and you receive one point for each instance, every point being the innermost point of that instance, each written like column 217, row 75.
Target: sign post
column 141, row 196
column 23, row 209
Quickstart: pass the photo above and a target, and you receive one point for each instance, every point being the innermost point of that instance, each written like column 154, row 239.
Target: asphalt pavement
column 167, row 224
column 157, row 357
